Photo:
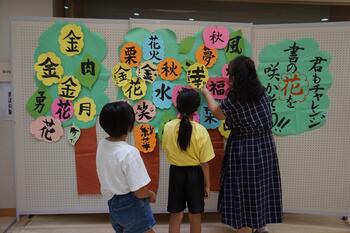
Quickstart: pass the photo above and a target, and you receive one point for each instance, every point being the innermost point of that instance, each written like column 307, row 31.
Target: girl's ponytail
column 187, row 103
column 185, row 132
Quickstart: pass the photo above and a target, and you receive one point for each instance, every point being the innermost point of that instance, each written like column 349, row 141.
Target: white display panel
column 315, row 165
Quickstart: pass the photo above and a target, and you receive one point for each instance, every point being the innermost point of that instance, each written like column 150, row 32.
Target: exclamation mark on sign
column 282, row 123
column 279, row 124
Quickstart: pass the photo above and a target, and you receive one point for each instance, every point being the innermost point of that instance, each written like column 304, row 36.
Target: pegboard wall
column 45, row 173
column 315, row 166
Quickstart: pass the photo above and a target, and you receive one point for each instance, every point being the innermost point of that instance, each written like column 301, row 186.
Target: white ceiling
column 217, row 10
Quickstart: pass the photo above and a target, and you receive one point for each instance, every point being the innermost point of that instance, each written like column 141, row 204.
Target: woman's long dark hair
column 245, row 86
column 187, row 103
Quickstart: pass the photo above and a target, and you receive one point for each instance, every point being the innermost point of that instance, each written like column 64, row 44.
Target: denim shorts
column 128, row 214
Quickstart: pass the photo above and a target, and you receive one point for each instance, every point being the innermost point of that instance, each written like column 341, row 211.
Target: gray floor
column 86, row 223
column 5, row 223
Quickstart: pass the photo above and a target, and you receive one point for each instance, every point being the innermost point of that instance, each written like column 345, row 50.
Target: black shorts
column 186, row 186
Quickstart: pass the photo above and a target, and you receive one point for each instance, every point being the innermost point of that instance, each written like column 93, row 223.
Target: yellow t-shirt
column 199, row 151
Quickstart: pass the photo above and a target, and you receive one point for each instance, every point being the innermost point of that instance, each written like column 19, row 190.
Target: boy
column 122, row 173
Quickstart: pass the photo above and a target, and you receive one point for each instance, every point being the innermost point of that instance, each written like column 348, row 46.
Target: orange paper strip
column 215, row 164
column 85, row 162
column 152, row 164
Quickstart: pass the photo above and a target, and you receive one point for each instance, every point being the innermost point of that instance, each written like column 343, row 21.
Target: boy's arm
column 137, row 176
column 205, row 170
column 144, row 192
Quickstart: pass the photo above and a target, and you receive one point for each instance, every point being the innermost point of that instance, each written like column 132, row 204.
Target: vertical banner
column 5, row 101
column 85, row 162
column 152, row 162
column 5, row 91
column 215, row 164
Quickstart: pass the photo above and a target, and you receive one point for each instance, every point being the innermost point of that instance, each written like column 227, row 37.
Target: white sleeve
column 135, row 171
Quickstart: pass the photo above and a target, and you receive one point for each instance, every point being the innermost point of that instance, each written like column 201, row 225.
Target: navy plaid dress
column 250, row 185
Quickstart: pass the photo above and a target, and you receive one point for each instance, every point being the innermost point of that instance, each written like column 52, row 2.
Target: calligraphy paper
column 121, row 74
column 73, row 134
column 135, row 88
column 235, row 46
column 39, row 103
column 88, row 71
column 296, row 76
column 62, row 109
column 206, row 56
column 85, row 109
column 218, row 87
column 145, row 111
column 197, row 75
column 145, row 137
column 71, row 40
column 131, row 54
column 147, row 71
column 49, row 69
column 161, row 95
column 153, row 48
column 69, row 88
column 169, row 69
column 207, row 119
column 215, row 37
column 46, row 129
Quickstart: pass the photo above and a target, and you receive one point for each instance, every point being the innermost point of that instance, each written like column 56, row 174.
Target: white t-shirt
column 120, row 168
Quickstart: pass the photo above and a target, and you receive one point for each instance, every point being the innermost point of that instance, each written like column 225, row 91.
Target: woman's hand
column 205, row 91
column 212, row 104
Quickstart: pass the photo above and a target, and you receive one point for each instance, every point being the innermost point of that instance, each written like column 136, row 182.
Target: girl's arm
column 213, row 105
column 205, row 170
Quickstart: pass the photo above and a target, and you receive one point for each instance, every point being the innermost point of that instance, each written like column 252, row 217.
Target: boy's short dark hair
column 117, row 118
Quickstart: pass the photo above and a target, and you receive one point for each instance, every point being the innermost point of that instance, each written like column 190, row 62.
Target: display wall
column 315, row 165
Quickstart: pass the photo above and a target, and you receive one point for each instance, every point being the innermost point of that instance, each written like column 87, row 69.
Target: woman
column 250, row 187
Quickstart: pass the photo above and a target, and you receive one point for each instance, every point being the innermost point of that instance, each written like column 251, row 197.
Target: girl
column 188, row 148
